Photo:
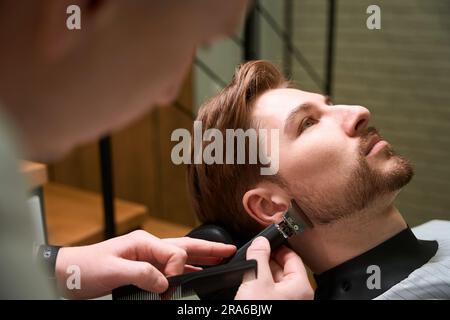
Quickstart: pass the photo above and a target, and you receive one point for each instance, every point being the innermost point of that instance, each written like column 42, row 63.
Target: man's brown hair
column 217, row 189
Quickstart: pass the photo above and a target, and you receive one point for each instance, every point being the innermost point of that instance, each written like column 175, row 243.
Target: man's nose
column 355, row 119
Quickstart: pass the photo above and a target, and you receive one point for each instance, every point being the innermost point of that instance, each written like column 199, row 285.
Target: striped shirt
column 432, row 280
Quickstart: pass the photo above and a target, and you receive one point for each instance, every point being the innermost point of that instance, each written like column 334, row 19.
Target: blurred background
column 400, row 72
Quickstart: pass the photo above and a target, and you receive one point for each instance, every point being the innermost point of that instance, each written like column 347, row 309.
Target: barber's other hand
column 283, row 277
column 137, row 258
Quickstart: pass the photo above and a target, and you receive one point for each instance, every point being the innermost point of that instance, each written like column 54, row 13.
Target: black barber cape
column 393, row 260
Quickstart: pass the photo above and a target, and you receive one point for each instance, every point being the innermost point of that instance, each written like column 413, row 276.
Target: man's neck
column 326, row 246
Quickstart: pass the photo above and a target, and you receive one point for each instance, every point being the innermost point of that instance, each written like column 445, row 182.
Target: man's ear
column 266, row 204
column 58, row 21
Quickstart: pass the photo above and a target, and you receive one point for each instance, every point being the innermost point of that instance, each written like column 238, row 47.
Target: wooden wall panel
column 135, row 161
column 175, row 199
column 79, row 169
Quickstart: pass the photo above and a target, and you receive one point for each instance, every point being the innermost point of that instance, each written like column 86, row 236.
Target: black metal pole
column 107, row 186
column 288, row 29
column 39, row 192
column 251, row 34
column 331, row 39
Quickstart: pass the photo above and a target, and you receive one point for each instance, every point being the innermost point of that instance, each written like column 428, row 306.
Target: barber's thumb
column 260, row 246
column 259, row 250
column 145, row 276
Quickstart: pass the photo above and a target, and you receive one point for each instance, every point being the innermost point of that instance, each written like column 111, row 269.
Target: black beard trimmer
column 294, row 222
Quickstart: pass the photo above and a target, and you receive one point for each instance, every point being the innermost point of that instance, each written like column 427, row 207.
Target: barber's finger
column 188, row 268
column 141, row 274
column 198, row 247
column 277, row 271
column 175, row 263
column 205, row 261
column 168, row 257
column 295, row 282
column 259, row 250
column 291, row 263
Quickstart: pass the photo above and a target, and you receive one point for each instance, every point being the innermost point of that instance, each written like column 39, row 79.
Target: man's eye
column 306, row 123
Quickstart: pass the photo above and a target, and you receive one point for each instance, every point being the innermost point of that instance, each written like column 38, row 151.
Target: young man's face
column 332, row 163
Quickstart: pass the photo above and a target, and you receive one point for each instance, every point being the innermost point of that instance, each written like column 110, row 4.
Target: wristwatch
column 46, row 258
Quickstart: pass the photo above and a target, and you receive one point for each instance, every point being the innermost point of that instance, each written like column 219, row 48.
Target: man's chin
column 396, row 171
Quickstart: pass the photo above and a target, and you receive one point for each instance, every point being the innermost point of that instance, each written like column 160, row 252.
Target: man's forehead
column 274, row 106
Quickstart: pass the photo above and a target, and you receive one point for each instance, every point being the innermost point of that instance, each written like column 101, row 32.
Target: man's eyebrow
column 301, row 108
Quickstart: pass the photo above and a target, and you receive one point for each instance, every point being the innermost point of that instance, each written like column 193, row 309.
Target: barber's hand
column 137, row 258
column 283, row 277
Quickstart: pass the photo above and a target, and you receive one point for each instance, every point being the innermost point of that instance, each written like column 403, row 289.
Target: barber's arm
column 137, row 258
column 281, row 277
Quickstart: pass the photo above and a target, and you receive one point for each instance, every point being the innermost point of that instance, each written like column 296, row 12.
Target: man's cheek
column 322, row 182
column 321, row 169
column 323, row 157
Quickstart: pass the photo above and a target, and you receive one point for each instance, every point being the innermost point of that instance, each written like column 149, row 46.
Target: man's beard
column 365, row 185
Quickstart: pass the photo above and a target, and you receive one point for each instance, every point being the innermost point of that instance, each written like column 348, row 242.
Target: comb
column 190, row 286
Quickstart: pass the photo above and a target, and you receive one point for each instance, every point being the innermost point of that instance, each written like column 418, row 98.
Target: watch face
column 47, row 253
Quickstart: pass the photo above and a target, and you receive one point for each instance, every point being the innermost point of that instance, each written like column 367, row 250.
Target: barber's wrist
column 62, row 262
